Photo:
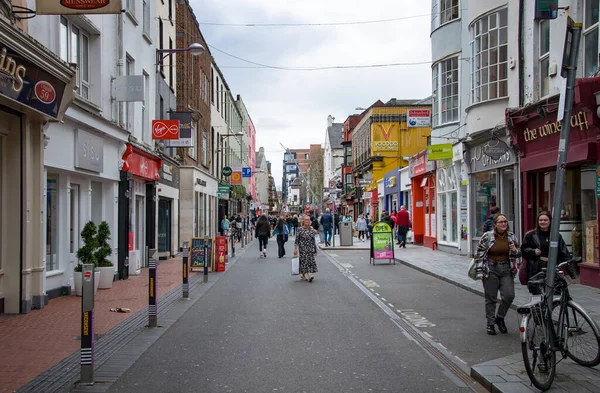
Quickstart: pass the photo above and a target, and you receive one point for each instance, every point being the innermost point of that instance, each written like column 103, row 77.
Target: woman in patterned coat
column 306, row 247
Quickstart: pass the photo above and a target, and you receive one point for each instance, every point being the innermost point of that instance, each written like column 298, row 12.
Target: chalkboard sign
column 197, row 256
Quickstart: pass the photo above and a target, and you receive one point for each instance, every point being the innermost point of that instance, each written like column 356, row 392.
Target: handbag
column 295, row 266
column 523, row 272
column 472, row 271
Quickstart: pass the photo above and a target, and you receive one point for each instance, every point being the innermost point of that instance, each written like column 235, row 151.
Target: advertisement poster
column 221, row 253
column 383, row 241
column 197, row 257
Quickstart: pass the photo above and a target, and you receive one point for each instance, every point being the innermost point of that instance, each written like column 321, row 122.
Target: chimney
column 330, row 120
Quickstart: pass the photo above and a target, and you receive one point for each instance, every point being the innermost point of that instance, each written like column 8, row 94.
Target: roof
column 335, row 133
column 397, row 102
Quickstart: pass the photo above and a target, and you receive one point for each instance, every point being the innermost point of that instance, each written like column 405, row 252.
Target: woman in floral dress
column 305, row 245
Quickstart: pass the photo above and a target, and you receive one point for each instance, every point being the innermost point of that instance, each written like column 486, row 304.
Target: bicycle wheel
column 583, row 345
column 539, row 359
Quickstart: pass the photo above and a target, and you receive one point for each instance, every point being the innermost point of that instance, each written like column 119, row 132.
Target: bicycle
column 567, row 328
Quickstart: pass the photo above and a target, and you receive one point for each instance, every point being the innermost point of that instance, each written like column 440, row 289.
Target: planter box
column 105, row 277
column 78, row 278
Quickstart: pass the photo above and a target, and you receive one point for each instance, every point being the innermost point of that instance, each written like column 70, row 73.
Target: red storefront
column 536, row 133
column 422, row 174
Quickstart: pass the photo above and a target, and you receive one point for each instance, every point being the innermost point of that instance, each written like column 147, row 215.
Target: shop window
column 97, row 204
column 486, row 197
column 578, row 210
column 507, row 199
column 489, row 50
column 448, row 204
column 51, row 222
column 590, row 37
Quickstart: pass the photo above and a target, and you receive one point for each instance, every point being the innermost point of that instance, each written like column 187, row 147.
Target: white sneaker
column 265, row 253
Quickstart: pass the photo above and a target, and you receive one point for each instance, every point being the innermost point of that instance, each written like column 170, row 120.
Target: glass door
column 164, row 225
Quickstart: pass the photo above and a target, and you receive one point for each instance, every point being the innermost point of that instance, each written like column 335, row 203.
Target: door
column 74, row 227
column 140, row 236
column 164, row 225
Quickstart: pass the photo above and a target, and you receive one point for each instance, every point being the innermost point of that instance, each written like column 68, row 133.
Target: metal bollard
column 152, row 306
column 207, row 250
column 87, row 325
column 233, row 246
column 185, row 285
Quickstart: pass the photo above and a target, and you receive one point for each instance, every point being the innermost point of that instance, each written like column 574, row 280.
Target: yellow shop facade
column 383, row 141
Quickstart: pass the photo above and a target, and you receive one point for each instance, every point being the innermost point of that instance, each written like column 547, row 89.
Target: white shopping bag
column 295, row 266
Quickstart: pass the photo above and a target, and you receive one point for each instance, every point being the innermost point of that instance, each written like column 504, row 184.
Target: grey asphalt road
column 450, row 315
column 260, row 329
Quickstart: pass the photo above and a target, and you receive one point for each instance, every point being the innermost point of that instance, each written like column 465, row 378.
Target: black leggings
column 263, row 240
column 361, row 234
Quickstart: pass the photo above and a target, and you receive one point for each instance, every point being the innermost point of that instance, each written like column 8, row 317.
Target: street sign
column 226, row 171
column 246, row 172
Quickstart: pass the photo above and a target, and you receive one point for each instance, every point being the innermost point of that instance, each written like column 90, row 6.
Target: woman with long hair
column 496, row 265
column 305, row 247
column 262, row 232
column 536, row 246
column 281, row 231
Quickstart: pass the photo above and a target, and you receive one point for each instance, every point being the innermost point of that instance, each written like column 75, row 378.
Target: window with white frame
column 445, row 91
column 590, row 37
column 130, row 6
column 544, row 59
column 192, row 150
column 489, row 57
column 447, row 204
column 443, row 11
column 146, row 21
column 448, row 10
column 204, row 149
column 75, row 48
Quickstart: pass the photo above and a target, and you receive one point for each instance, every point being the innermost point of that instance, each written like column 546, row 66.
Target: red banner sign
column 221, row 253
column 141, row 164
column 165, row 129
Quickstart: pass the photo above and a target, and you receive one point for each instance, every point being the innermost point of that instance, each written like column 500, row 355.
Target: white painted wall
column 169, row 31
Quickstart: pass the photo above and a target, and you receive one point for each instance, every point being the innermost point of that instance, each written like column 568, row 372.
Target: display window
column 486, row 197
column 447, row 193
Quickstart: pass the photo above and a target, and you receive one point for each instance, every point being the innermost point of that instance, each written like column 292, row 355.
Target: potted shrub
column 105, row 266
column 85, row 255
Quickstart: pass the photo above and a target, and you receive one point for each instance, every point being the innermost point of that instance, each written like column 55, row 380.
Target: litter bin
column 346, row 236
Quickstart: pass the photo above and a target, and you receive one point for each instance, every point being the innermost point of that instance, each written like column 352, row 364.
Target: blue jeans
column 327, row 232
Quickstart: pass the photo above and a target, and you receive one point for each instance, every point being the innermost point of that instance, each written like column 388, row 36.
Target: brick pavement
column 32, row 343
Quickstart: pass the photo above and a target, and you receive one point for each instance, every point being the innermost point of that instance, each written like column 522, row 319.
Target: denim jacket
column 487, row 241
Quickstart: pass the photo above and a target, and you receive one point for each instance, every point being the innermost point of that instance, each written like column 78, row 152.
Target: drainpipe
column 520, row 48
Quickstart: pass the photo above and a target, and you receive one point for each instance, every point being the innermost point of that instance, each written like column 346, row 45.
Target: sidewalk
column 505, row 374
column 34, row 342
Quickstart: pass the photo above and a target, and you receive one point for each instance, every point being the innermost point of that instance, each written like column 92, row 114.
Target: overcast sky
column 291, row 107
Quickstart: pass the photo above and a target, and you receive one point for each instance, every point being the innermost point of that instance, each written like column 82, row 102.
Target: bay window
column 443, row 11
column 445, row 91
column 489, row 54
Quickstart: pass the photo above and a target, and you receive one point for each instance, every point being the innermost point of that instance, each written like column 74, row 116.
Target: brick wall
column 193, row 78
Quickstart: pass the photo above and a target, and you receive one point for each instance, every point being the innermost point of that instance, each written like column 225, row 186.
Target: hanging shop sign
column 479, row 161
column 439, row 152
column 495, row 149
column 129, row 88
column 28, row 84
column 165, row 129
column 186, row 129
column 236, row 178
column 75, row 7
column 418, row 118
column 226, row 171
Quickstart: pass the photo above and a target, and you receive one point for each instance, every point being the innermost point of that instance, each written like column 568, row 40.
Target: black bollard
column 87, row 325
column 152, row 297
column 185, row 285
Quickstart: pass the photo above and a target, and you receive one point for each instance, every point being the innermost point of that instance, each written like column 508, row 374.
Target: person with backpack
column 262, row 232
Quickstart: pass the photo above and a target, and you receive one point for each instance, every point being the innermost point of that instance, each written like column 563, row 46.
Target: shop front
column 199, row 205
column 140, row 173
column 423, row 190
column 391, row 190
column 81, row 186
column 493, row 181
column 168, row 209
column 536, row 132
column 405, row 188
column 36, row 89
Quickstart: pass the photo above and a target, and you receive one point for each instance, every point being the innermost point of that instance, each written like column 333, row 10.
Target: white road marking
column 346, row 265
column 460, row 359
column 428, row 335
column 377, row 294
column 370, row 284
column 383, row 299
column 391, row 305
column 416, row 319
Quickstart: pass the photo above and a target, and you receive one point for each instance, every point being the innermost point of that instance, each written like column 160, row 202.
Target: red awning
column 141, row 163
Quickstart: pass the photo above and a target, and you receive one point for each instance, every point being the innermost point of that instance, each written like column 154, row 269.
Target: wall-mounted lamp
column 195, row 50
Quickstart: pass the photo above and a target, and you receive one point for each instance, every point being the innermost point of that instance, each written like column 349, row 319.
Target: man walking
column 327, row 223
column 404, row 224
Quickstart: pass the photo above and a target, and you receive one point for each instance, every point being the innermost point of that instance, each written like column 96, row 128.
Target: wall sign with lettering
column 89, row 151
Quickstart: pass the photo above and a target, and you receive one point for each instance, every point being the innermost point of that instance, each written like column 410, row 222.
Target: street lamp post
column 195, row 49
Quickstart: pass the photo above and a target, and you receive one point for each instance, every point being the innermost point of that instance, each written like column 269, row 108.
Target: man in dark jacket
column 489, row 224
column 385, row 217
column 327, row 222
